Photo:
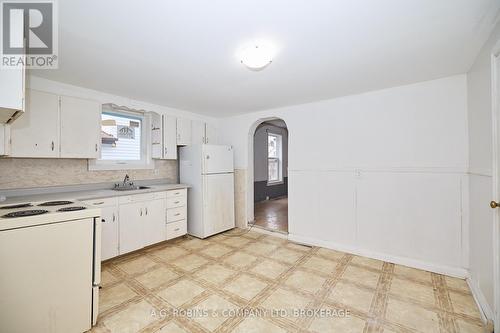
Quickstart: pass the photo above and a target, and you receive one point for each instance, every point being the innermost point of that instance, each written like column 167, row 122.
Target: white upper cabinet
column 183, row 132
column 12, row 80
column 57, row 126
column 163, row 137
column 169, row 137
column 80, row 127
column 4, row 139
column 156, row 136
column 36, row 132
column 210, row 134
column 202, row 133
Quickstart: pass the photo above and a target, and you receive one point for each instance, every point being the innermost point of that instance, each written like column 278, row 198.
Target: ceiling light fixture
column 257, row 57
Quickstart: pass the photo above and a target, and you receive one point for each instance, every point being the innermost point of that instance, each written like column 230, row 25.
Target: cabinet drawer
column 159, row 195
column 176, row 202
column 176, row 229
column 176, row 214
column 103, row 202
column 176, row 193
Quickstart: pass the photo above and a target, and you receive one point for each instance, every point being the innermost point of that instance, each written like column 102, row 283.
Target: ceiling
column 183, row 53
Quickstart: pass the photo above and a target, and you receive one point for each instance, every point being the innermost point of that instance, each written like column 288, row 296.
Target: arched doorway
column 269, row 176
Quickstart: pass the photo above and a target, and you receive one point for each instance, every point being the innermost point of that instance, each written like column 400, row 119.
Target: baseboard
column 480, row 299
column 440, row 269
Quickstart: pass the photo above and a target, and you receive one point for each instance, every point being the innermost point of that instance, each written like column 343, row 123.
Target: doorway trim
column 250, row 213
column 495, row 105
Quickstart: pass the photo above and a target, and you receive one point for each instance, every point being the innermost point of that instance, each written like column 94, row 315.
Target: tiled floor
column 310, row 289
column 272, row 214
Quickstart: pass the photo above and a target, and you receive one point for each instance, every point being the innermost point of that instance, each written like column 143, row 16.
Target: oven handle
column 96, row 273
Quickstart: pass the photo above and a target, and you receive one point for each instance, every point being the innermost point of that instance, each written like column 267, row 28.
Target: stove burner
column 23, row 213
column 24, row 205
column 55, row 203
column 71, row 209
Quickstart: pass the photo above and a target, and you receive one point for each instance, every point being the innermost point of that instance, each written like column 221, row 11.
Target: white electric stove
column 51, row 267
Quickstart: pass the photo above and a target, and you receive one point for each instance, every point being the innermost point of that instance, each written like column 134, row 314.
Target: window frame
column 279, row 158
column 146, row 161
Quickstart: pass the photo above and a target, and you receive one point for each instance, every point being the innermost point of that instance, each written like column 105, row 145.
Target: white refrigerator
column 209, row 170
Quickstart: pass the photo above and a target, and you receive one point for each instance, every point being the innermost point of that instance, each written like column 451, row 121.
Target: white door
column 109, row 232
column 218, row 203
column 80, row 127
column 156, row 218
column 36, row 132
column 217, row 159
column 210, row 134
column 197, row 132
column 169, row 137
column 12, row 80
column 183, row 131
column 132, row 220
column 156, row 136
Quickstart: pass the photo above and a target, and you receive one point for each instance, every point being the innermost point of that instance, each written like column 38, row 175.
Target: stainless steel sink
column 130, row 188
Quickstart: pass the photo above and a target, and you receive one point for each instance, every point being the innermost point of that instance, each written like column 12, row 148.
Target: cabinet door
column 12, row 80
column 4, row 139
column 156, row 218
column 156, row 136
column 183, row 132
column 197, row 132
column 169, row 137
column 210, row 134
column 80, row 127
column 109, row 233
column 131, row 227
column 36, row 132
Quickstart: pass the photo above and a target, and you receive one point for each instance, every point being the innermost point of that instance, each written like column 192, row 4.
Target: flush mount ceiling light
column 257, row 57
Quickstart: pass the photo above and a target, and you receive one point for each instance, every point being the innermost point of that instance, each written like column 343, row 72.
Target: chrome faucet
column 126, row 180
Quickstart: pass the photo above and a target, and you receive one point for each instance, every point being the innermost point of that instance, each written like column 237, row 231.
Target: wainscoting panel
column 410, row 215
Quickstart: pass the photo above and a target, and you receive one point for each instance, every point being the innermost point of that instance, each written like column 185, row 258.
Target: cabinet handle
column 176, row 202
column 165, row 151
column 96, row 147
column 98, row 203
column 177, row 214
column 176, row 229
column 103, row 220
column 52, row 145
column 146, row 210
column 141, row 212
column 114, row 217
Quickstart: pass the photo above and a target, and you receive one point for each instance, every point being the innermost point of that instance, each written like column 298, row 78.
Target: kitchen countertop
column 88, row 194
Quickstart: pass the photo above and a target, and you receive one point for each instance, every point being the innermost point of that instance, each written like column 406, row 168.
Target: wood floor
column 272, row 214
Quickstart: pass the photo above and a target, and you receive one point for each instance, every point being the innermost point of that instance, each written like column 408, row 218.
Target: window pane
column 120, row 137
column 272, row 146
column 273, row 174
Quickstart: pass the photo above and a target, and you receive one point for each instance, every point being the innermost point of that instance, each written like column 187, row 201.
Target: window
column 274, row 158
column 120, row 137
column 123, row 141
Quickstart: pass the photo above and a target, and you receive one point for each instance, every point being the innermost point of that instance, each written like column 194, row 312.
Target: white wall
column 381, row 173
column 480, row 182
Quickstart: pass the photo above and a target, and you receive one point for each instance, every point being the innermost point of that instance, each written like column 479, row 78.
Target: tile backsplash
column 17, row 173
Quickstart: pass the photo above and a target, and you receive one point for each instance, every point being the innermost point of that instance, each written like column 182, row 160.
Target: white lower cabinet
column 131, row 227
column 132, row 222
column 154, row 226
column 109, row 227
